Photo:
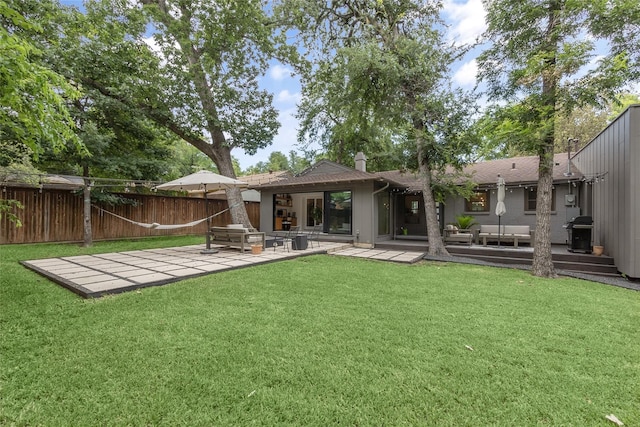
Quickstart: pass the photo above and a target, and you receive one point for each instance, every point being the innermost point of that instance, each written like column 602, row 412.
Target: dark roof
column 519, row 170
column 515, row 170
column 323, row 172
column 319, row 179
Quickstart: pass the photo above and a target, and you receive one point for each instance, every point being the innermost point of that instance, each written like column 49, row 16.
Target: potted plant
column 464, row 222
column 317, row 215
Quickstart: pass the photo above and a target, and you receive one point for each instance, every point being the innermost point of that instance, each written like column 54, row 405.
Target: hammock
column 157, row 226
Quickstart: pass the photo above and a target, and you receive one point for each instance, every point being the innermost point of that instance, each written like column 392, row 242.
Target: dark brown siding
column 56, row 216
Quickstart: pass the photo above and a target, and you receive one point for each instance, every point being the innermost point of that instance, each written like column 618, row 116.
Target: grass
column 318, row 341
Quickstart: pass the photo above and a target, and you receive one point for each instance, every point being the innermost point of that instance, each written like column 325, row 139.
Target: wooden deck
column 522, row 255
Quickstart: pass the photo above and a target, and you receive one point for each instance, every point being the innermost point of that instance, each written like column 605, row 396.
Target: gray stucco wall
column 362, row 211
column 516, row 214
column 611, row 165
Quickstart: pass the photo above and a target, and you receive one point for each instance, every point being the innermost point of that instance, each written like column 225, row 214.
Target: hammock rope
column 156, row 226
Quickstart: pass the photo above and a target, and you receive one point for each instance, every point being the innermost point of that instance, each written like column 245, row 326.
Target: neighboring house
column 611, row 187
column 250, row 195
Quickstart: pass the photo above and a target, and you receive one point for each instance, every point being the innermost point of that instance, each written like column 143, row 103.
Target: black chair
column 286, row 238
column 314, row 236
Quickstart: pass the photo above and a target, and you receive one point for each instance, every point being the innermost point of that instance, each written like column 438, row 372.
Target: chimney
column 361, row 162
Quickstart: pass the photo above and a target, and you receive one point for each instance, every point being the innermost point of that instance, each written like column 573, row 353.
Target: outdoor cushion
column 517, row 229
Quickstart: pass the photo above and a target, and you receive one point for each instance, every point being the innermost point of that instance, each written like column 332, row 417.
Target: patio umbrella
column 203, row 181
column 500, row 207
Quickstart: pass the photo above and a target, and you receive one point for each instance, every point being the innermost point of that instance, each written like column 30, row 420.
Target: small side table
column 300, row 243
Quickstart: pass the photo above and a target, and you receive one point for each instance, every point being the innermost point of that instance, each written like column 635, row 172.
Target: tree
column 199, row 81
column 379, row 78
column 33, row 98
column 575, row 130
column 538, row 54
column 621, row 103
column 297, row 163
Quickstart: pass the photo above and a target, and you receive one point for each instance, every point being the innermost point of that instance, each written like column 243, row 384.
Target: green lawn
column 318, row 341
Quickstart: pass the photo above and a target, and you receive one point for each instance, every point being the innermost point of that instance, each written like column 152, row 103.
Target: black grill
column 579, row 229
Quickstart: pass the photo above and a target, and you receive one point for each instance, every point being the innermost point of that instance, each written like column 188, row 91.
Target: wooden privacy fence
column 56, row 216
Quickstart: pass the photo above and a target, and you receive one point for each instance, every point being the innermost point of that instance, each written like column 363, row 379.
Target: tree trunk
column 436, row 244
column 237, row 207
column 542, row 257
column 86, row 214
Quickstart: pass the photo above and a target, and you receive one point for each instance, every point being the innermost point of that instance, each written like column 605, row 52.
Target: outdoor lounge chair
column 453, row 235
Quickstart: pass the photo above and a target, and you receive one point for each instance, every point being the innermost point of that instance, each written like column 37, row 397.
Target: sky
column 466, row 20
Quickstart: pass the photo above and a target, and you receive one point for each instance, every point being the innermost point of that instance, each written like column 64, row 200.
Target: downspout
column 373, row 216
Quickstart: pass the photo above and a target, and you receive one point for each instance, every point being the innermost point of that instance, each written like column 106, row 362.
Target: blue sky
column 466, row 21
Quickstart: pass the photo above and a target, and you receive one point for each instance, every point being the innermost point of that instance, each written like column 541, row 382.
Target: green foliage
column 621, row 103
column 379, row 84
column 465, row 222
column 33, row 96
column 582, row 124
column 541, row 66
column 8, row 209
column 110, row 199
column 279, row 162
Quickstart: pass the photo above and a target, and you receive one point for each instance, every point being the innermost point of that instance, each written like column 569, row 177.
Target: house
column 371, row 207
column 601, row 180
column 350, row 203
column 521, row 178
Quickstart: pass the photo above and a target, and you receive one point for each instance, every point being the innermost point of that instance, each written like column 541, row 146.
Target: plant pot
column 256, row 249
column 598, row 250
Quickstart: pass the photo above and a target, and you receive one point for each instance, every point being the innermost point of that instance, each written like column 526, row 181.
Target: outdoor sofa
column 508, row 233
column 237, row 236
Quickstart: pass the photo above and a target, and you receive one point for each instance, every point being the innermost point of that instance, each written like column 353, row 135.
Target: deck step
column 569, row 261
column 591, row 268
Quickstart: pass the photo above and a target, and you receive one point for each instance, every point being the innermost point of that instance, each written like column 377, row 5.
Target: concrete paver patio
column 96, row 275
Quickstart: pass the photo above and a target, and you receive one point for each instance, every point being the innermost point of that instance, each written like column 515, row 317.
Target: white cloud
column 279, row 72
column 467, row 20
column 285, row 141
column 287, row 97
column 152, row 43
column 466, row 74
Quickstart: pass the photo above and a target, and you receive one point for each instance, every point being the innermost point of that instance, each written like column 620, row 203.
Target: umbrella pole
column 208, row 249
column 499, row 231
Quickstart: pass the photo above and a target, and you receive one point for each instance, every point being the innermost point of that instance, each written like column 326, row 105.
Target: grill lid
column 582, row 220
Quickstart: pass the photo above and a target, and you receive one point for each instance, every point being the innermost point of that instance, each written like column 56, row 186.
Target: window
column 478, row 202
column 338, row 208
column 530, row 196
column 412, row 209
column 314, row 212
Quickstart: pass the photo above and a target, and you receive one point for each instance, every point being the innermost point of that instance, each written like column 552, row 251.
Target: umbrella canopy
column 202, row 181
column 500, row 207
